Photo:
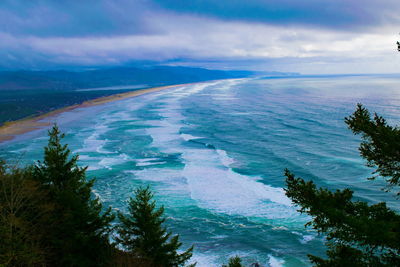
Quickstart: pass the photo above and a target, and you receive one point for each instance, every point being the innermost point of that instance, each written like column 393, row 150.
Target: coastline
column 13, row 128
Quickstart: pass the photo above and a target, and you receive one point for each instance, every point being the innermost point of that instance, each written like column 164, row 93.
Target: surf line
column 9, row 130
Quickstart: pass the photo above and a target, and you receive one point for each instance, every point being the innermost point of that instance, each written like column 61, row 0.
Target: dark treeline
column 49, row 217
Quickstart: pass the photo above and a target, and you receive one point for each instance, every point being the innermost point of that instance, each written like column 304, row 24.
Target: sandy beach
column 10, row 129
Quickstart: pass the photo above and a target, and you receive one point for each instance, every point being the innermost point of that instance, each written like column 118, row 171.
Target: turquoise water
column 215, row 152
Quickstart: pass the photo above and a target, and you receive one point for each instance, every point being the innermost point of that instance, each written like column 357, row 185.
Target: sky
column 306, row 36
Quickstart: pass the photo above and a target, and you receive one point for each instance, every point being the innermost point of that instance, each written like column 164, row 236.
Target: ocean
column 214, row 153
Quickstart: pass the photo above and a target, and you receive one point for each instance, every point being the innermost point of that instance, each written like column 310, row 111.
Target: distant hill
column 30, row 93
column 68, row 80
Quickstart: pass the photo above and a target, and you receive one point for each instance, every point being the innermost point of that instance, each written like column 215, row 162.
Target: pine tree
column 78, row 231
column 358, row 234
column 234, row 262
column 23, row 209
column 142, row 234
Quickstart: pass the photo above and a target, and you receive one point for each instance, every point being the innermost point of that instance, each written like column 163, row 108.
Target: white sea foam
column 188, row 137
column 94, row 143
column 225, row 90
column 275, row 262
column 204, row 260
column 226, row 85
column 225, row 159
column 307, row 238
column 91, row 162
column 280, row 228
column 149, row 162
column 97, row 195
column 84, row 157
column 304, row 238
column 210, row 181
column 190, row 89
column 173, row 183
column 108, row 162
column 145, row 160
column 206, row 178
column 225, row 191
column 93, row 167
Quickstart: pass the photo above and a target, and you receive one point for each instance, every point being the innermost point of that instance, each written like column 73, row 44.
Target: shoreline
column 11, row 129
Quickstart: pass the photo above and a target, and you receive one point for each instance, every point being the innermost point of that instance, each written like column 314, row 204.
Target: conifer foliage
column 78, row 230
column 234, row 262
column 380, row 145
column 358, row 234
column 142, row 234
column 49, row 217
column 23, row 210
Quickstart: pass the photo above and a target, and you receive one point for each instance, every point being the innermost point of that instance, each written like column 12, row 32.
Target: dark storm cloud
column 334, row 14
column 71, row 33
column 121, row 17
column 73, row 18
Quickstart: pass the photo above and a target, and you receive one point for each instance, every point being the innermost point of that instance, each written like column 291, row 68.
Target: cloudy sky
column 307, row 36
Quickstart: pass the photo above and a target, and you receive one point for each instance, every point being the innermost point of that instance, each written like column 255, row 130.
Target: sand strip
column 10, row 129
